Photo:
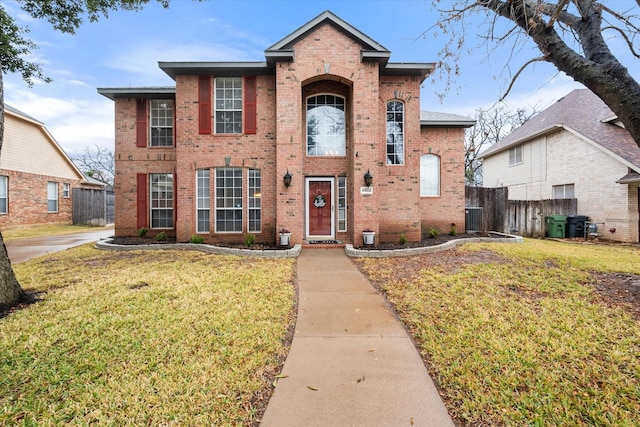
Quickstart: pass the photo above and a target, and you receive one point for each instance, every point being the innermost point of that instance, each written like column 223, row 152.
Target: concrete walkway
column 351, row 362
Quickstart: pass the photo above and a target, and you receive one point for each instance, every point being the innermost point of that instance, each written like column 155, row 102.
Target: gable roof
column 282, row 50
column 37, row 123
column 585, row 115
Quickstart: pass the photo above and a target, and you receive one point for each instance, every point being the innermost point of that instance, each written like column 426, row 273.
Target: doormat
column 323, row 242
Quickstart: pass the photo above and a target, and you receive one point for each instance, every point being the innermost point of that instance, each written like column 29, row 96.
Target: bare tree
column 573, row 35
column 65, row 16
column 97, row 162
column 492, row 124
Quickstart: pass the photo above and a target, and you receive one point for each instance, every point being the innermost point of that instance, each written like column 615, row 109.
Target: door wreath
column 319, row 201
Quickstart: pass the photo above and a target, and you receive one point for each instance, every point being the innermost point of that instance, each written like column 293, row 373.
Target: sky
column 124, row 49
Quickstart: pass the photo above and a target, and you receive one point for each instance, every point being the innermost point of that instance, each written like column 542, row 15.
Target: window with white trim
column 342, row 203
column 395, row 133
column 565, row 191
column 161, row 186
column 255, row 200
column 203, row 200
column 228, row 200
column 52, row 197
column 429, row 175
column 515, row 155
column 326, row 126
column 66, row 190
column 228, row 102
column 161, row 122
column 4, row 194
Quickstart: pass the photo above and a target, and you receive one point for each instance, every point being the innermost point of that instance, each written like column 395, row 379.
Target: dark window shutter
column 141, row 198
column 250, row 110
column 204, row 104
column 141, row 123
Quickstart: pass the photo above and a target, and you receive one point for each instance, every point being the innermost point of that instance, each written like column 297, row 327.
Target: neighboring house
column 289, row 143
column 36, row 175
column 577, row 148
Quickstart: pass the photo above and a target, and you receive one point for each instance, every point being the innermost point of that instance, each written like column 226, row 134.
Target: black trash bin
column 575, row 225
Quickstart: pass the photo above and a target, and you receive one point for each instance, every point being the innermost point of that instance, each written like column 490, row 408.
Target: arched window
column 395, row 133
column 429, row 175
column 326, row 126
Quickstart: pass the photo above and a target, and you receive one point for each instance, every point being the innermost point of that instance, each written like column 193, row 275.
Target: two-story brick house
column 325, row 139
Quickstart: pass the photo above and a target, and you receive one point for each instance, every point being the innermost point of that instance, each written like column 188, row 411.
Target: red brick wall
column 28, row 200
column 326, row 61
column 440, row 212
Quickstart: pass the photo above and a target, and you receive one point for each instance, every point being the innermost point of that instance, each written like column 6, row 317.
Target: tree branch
column 515, row 77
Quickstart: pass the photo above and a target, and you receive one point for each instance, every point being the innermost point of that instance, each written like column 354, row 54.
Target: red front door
column 319, row 208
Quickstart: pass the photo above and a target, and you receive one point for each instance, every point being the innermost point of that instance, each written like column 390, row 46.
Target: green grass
column 524, row 340
column 144, row 338
column 46, row 230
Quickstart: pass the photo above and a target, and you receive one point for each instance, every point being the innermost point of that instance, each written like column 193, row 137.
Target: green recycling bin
column 556, row 225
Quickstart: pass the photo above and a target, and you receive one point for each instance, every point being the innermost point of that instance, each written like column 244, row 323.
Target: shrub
column 249, row 240
column 403, row 239
column 452, row 230
column 434, row 232
column 196, row 239
column 142, row 231
column 161, row 236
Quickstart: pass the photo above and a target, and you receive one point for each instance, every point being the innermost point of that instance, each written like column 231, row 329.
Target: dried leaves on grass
column 516, row 335
column 144, row 338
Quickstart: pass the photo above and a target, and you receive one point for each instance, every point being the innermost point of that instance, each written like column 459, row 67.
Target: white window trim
column 249, row 197
column 231, row 110
column 5, row 194
column 151, row 208
column 520, row 148
column 241, row 208
column 208, row 202
column 439, row 177
column 50, row 199
column 152, row 126
column 402, row 155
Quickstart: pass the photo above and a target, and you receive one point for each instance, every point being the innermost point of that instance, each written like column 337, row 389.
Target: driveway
column 24, row 249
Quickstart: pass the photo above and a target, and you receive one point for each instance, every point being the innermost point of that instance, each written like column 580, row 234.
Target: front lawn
column 145, row 338
column 518, row 335
column 47, row 230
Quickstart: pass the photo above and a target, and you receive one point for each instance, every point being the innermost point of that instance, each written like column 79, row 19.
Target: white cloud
column 75, row 123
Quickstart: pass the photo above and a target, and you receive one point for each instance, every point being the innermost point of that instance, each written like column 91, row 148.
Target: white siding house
column 574, row 149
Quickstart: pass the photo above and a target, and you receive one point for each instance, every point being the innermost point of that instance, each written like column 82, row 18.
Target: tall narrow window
column 429, row 175
column 229, row 200
column 326, row 126
column 515, row 155
column 161, row 122
column 203, row 200
column 4, row 194
column 342, row 203
column 255, row 200
column 66, row 190
column 395, row 133
column 52, row 196
column 161, row 200
column 228, row 105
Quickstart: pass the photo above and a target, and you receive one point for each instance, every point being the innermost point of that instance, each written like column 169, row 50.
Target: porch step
column 320, row 244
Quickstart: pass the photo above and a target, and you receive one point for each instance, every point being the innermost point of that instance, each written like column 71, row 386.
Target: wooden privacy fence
column 523, row 217
column 93, row 207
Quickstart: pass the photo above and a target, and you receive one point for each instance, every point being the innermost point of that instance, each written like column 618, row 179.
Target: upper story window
column 161, row 122
column 326, row 126
column 228, row 102
column 515, row 155
column 395, row 133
